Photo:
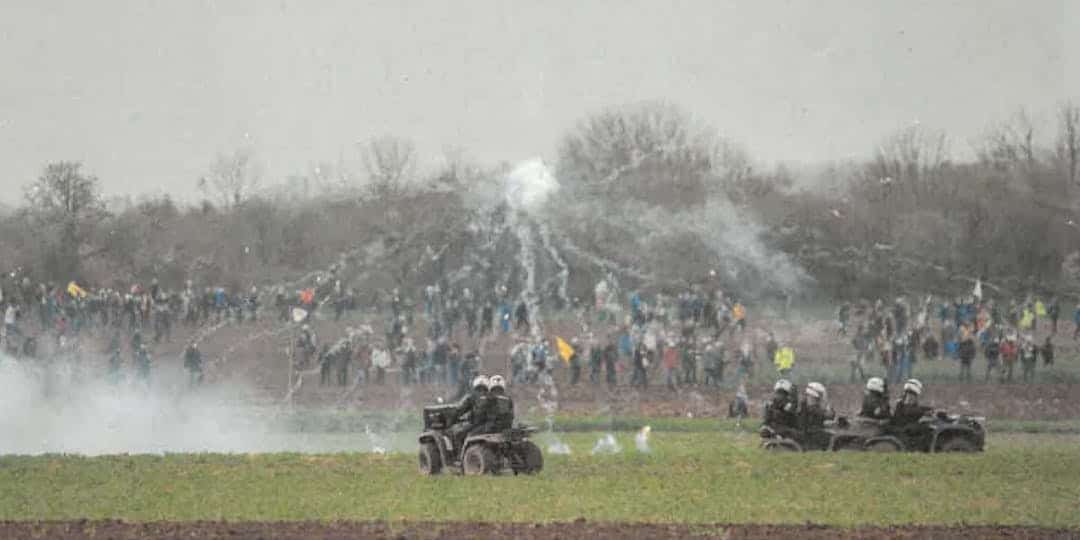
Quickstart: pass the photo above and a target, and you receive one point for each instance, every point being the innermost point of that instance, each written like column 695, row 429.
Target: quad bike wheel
column 532, row 458
column 478, row 459
column 958, row 444
column 429, row 459
column 781, row 446
column 882, row 446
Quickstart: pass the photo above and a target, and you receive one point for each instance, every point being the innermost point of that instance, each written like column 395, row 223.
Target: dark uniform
column 343, row 356
column 1048, row 352
column 194, row 364
column 575, row 368
column 142, row 363
column 326, row 362
column 1029, row 357
column 905, row 424
column 875, row 405
column 596, row 361
column 966, row 352
column 500, row 412
column 470, row 414
column 812, row 424
column 611, row 354
column 782, row 415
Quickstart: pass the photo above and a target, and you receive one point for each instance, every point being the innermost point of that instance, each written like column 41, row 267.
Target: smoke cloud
column 529, row 185
column 53, row 409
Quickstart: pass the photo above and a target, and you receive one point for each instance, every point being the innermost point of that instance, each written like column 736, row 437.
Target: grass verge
column 687, row 477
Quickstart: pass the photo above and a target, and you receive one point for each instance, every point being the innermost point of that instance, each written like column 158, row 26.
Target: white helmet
column 479, row 381
column 913, row 386
column 815, row 389
column 875, row 384
column 782, row 384
column 496, row 381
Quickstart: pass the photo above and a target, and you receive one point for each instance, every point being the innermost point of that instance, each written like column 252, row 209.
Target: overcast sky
column 146, row 92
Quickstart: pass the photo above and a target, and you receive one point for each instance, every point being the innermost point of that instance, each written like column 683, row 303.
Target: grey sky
column 146, row 92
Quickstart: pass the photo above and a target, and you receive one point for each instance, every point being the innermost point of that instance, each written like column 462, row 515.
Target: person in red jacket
column 1009, row 352
column 671, row 363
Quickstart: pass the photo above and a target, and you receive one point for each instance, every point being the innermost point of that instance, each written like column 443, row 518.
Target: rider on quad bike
column 907, row 413
column 477, row 435
column 813, row 412
column 470, row 413
column 875, row 403
column 499, row 415
column 781, row 414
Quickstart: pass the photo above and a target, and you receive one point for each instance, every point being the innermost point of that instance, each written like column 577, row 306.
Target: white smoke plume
column 529, row 185
column 606, row 445
column 51, row 408
column 641, row 440
column 733, row 238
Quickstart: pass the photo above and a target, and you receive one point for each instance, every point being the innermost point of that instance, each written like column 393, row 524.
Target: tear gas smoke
column 529, row 185
column 50, row 409
column 641, row 440
column 557, row 447
column 606, row 445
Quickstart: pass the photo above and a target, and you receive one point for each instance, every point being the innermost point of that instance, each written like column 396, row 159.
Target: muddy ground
column 1011, row 401
column 567, row 531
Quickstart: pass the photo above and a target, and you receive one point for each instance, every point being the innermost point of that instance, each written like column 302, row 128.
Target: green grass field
column 688, row 477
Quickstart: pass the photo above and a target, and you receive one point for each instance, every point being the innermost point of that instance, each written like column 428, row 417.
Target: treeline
column 648, row 194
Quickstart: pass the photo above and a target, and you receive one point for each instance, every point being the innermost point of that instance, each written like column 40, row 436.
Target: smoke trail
column 608, row 265
column 528, row 187
column 564, row 270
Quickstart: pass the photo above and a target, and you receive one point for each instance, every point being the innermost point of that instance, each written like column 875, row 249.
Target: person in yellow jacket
column 1040, row 313
column 738, row 315
column 1027, row 319
column 784, row 360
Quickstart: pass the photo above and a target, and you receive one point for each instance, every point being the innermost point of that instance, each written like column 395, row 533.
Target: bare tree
column 911, row 157
column 1010, row 143
column 1068, row 141
column 390, row 162
column 232, row 177
column 68, row 202
column 652, row 152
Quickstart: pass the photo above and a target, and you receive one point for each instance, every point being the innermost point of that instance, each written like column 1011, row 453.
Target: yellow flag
column 565, row 350
column 74, row 290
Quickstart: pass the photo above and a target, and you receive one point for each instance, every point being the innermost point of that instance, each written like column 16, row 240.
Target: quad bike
column 794, row 440
column 943, row 432
column 484, row 453
column 866, row 434
column 940, row 432
column 773, row 441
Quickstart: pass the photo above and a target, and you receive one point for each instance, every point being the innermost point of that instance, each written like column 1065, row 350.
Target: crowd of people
column 694, row 336
column 54, row 322
column 898, row 335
